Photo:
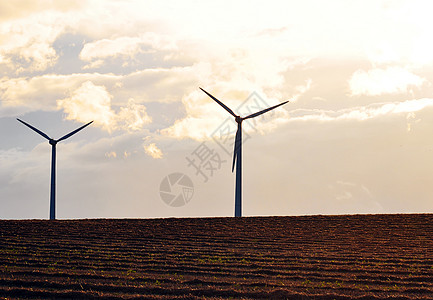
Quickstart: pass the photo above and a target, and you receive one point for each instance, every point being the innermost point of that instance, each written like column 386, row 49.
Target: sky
column 356, row 136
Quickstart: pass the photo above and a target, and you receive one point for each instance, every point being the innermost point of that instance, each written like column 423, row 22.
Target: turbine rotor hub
column 52, row 142
column 238, row 119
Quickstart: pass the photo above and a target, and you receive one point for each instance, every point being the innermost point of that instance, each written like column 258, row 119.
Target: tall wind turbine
column 53, row 143
column 237, row 153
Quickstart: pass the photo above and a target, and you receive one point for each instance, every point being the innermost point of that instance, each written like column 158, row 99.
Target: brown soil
column 320, row 257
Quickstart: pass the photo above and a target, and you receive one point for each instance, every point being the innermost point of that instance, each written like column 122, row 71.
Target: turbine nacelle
column 52, row 142
column 238, row 119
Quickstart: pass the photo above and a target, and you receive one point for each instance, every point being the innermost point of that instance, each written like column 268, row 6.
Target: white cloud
column 89, row 102
column 133, row 116
column 41, row 92
column 117, row 28
column 411, row 119
column 153, row 150
column 126, row 46
column 34, row 93
column 92, row 102
column 20, row 8
column 105, row 48
column 301, row 90
column 26, row 44
column 383, row 81
column 362, row 113
column 111, row 154
column 94, row 64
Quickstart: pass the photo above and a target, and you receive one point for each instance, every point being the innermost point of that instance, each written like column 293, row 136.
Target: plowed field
column 322, row 257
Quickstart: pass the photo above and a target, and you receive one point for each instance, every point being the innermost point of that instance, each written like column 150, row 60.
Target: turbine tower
column 237, row 153
column 53, row 143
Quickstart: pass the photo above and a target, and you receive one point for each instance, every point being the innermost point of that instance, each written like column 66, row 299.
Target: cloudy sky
column 356, row 137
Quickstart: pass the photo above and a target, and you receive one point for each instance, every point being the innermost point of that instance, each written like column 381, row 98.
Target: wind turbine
column 237, row 153
column 53, row 143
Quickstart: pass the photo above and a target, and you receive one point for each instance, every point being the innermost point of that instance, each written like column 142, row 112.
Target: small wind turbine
column 53, row 143
column 237, row 153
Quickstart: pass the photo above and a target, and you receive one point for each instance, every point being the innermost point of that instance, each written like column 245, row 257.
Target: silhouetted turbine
column 237, row 153
column 53, row 143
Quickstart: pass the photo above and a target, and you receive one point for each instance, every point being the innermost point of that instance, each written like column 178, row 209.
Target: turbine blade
column 220, row 103
column 265, row 110
column 35, row 129
column 236, row 146
column 73, row 132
